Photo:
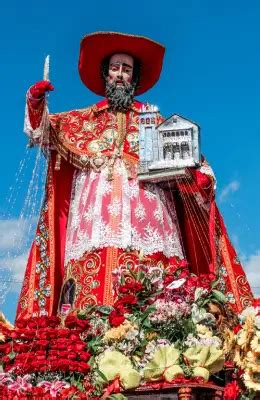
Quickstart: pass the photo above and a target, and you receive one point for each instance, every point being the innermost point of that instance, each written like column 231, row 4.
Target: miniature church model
column 167, row 149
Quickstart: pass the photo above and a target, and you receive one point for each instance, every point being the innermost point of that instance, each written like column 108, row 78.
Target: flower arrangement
column 243, row 343
column 160, row 328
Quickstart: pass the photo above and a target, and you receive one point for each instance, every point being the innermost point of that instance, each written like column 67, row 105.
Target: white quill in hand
column 46, row 69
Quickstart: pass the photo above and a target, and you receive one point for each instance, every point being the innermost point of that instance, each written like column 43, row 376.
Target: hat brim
column 97, row 46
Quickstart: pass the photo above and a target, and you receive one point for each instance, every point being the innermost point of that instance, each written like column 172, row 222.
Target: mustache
column 120, row 97
column 126, row 85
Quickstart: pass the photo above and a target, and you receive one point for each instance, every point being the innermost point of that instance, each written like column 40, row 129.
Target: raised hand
column 39, row 89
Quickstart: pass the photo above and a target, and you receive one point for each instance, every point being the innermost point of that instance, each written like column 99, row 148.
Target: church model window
column 168, row 149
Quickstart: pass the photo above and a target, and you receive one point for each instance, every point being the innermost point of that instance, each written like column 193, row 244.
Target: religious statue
column 96, row 213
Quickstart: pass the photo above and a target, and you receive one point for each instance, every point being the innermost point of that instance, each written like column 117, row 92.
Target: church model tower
column 168, row 148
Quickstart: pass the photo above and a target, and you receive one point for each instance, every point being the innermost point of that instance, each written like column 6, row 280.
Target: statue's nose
column 120, row 72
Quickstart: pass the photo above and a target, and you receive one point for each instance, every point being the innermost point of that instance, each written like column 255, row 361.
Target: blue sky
column 210, row 75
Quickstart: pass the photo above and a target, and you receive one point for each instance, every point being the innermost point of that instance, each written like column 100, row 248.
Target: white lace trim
column 39, row 135
column 207, row 170
column 120, row 213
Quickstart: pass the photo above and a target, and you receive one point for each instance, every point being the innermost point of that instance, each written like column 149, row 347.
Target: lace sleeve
column 36, row 122
column 206, row 169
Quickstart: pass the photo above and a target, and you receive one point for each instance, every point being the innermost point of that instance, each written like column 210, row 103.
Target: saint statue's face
column 119, row 82
column 120, row 69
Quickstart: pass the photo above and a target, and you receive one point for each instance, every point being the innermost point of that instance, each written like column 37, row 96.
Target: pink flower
column 53, row 387
column 21, row 384
column 5, row 378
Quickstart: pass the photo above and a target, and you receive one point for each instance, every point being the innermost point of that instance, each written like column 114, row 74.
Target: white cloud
column 14, row 266
column 252, row 269
column 14, row 237
column 230, row 188
column 13, row 234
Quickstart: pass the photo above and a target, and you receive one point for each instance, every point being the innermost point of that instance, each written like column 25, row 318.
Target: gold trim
column 31, row 284
column 51, row 208
column 229, row 267
column 111, row 263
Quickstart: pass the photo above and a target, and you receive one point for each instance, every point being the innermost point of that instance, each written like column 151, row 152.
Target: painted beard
column 121, row 97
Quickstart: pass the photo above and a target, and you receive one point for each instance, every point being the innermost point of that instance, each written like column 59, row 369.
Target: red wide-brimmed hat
column 99, row 45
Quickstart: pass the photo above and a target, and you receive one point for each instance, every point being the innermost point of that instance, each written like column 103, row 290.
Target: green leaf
column 91, row 361
column 198, row 293
column 12, row 355
column 106, row 310
column 104, row 378
column 118, row 396
column 215, row 284
column 219, row 296
column 95, row 343
column 146, row 323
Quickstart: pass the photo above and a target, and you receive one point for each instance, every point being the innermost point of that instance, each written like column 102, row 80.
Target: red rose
column 28, row 334
column 42, row 322
column 39, row 365
column 53, row 365
column 42, row 343
column 22, row 323
column 71, row 321
column 5, row 348
column 21, row 347
column 61, row 346
column 64, row 364
column 52, row 359
column 231, row 391
column 32, row 323
column 115, row 319
column 83, row 324
column 84, row 356
column 14, row 334
column 23, row 358
column 79, row 346
column 74, row 336
column 72, row 355
column 184, row 273
column 53, row 321
column 63, row 354
column 82, row 367
column 6, row 359
column 191, row 284
column 126, row 300
column 133, row 286
column 42, row 334
column 71, row 347
column 53, row 333
column 120, row 309
column 53, row 344
column 40, row 353
column 205, row 281
column 63, row 333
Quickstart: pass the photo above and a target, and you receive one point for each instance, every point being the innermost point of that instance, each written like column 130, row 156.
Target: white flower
column 140, row 212
column 158, row 214
column 133, row 189
column 88, row 214
column 149, row 191
column 114, row 208
column 199, row 292
column 105, row 187
column 252, row 311
column 200, row 314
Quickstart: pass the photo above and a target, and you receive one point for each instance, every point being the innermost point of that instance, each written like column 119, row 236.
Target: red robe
column 73, row 138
